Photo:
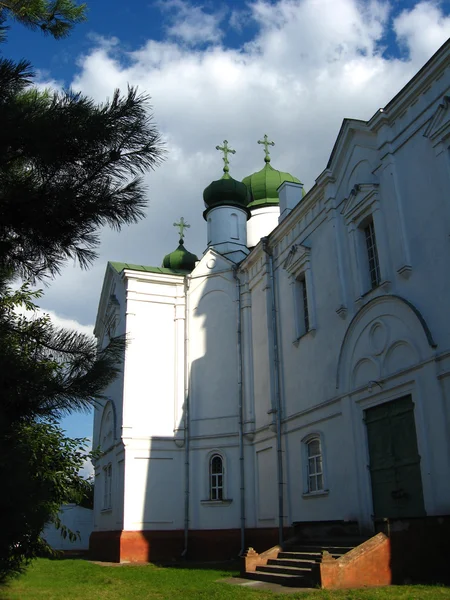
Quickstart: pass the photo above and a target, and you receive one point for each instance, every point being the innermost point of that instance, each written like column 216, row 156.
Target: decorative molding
column 359, row 199
column 322, row 493
column 405, row 271
column 297, row 260
column 216, row 502
column 386, row 286
column 342, row 311
column 439, row 124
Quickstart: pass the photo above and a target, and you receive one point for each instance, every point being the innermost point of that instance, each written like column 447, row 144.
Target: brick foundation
column 161, row 546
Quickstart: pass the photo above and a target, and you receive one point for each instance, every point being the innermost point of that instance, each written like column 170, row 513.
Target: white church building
column 300, row 369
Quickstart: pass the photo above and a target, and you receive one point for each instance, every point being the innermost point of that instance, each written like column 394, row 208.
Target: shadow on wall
column 419, row 549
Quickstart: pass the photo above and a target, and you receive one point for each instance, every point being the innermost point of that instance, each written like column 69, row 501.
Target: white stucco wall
column 77, row 519
column 262, row 222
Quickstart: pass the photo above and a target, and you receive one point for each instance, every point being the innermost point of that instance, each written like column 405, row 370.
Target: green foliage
column 40, row 472
column 67, row 168
column 45, row 371
column 56, row 18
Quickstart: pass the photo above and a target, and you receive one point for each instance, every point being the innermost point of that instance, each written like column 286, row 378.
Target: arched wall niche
column 108, row 426
column 386, row 336
column 361, row 173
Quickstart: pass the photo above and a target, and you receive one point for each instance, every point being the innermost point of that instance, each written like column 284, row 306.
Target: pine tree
column 67, row 167
column 55, row 18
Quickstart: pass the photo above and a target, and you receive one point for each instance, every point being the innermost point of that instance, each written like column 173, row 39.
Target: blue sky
column 290, row 68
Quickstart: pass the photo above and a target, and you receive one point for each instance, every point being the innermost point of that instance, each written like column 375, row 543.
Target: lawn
column 82, row 580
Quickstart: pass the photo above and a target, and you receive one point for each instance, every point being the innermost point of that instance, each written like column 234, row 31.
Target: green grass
column 82, row 580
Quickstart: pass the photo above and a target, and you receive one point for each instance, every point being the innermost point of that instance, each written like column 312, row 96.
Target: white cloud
column 58, row 320
column 44, row 81
column 190, row 24
column 87, row 470
column 310, row 64
column 422, row 29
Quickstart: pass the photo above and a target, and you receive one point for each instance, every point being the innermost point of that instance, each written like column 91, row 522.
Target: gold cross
column 226, row 151
column 266, row 144
column 182, row 225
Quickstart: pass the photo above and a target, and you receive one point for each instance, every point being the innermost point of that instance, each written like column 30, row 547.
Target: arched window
column 107, row 428
column 216, row 475
column 314, row 465
column 234, row 223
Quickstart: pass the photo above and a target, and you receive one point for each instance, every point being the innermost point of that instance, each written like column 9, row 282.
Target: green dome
column 263, row 185
column 225, row 192
column 180, row 259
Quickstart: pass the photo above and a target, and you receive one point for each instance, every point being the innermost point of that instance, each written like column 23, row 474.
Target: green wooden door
column 394, row 460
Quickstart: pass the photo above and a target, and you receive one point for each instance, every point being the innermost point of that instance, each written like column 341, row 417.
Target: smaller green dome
column 263, row 185
column 180, row 259
column 225, row 192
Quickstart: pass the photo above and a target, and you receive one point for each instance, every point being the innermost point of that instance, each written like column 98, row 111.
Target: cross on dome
column 226, row 150
column 266, row 144
column 182, row 225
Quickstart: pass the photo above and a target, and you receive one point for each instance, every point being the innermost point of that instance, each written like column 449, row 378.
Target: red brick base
column 366, row 565
column 155, row 546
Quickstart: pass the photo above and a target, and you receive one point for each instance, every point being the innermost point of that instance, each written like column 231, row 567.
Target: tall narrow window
column 234, row 224
column 372, row 254
column 107, row 487
column 302, row 316
column 315, row 465
column 305, row 304
column 216, row 474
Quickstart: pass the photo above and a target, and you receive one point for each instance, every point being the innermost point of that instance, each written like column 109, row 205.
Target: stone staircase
column 298, row 564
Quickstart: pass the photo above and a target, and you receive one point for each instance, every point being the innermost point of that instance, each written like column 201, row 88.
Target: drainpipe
column 186, row 417
column 277, row 386
column 241, row 411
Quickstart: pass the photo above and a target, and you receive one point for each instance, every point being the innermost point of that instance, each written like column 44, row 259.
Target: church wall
column 154, row 491
column 150, row 368
column 309, row 362
column 424, row 186
column 213, row 356
column 110, row 518
column 204, row 513
column 338, row 501
column 262, row 364
column 409, row 192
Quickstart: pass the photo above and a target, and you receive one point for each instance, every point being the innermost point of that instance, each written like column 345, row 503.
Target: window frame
column 107, row 487
column 372, row 263
column 308, row 490
column 298, row 265
column 361, row 208
column 216, row 481
column 208, row 480
column 301, row 306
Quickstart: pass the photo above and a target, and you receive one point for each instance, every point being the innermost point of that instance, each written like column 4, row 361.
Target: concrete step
column 281, row 579
column 313, row 556
column 301, row 571
column 321, row 548
column 294, row 562
column 298, row 565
